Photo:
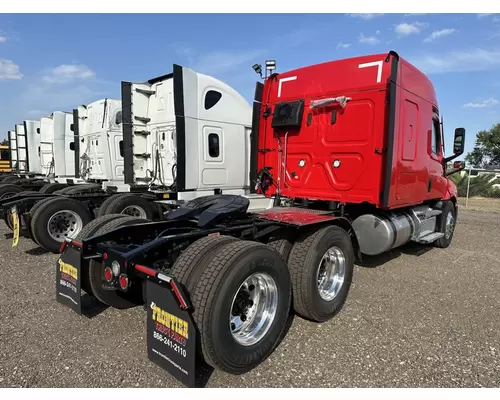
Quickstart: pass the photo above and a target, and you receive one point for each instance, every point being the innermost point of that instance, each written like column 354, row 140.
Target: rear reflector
column 108, row 274
column 123, row 281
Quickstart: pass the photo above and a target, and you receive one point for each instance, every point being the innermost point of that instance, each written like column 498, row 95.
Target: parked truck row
column 220, row 218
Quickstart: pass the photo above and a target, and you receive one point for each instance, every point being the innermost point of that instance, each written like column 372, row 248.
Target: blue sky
column 52, row 62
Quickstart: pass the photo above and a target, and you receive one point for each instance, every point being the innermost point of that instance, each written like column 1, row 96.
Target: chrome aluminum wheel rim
column 253, row 309
column 331, row 273
column 64, row 224
column 134, row 211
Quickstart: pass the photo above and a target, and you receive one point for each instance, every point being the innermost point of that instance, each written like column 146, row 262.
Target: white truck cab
column 57, row 147
column 98, row 141
column 13, row 150
column 187, row 132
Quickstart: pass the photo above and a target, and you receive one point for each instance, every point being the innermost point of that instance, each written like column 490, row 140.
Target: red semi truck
column 352, row 154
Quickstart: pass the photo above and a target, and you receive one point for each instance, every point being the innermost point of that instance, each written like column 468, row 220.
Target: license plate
column 171, row 336
column 68, row 279
column 15, row 226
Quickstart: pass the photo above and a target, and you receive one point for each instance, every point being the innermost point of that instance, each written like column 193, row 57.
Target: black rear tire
column 8, row 190
column 103, row 208
column 282, row 242
column 50, row 188
column 10, row 179
column 64, row 190
column 213, row 296
column 89, row 230
column 139, row 207
column 8, row 215
column 305, row 262
column 115, row 299
column 193, row 260
column 42, row 215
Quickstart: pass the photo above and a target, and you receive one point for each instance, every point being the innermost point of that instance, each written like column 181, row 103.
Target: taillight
column 108, row 274
column 105, row 256
column 123, row 280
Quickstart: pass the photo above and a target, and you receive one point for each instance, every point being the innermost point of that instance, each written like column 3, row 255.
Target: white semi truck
column 175, row 138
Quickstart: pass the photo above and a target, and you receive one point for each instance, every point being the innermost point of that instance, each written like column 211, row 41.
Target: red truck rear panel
column 341, row 153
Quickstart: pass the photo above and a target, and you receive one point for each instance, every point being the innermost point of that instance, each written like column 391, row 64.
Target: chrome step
column 432, row 237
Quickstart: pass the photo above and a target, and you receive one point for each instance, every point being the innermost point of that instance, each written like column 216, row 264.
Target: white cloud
column 406, row 29
column 9, row 70
column 484, row 15
column 458, row 61
column 343, row 45
column 67, row 73
column 3, row 38
column 482, row 104
column 377, row 32
column 371, row 40
column 437, row 34
column 366, row 16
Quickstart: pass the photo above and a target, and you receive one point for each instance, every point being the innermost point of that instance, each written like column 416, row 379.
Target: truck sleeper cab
column 86, row 154
column 217, row 279
column 27, row 176
column 150, row 129
column 57, row 147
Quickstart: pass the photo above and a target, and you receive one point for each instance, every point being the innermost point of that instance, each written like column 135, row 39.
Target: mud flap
column 15, row 227
column 68, row 278
column 172, row 335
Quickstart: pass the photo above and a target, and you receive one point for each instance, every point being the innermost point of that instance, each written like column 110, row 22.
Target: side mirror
column 72, row 146
column 458, row 164
column 458, row 145
column 459, row 142
column 72, row 128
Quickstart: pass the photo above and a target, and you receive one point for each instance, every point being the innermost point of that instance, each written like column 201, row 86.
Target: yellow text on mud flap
column 68, row 269
column 170, row 321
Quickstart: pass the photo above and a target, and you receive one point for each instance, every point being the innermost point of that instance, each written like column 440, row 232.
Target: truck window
column 435, row 137
column 212, row 98
column 213, row 145
column 118, row 119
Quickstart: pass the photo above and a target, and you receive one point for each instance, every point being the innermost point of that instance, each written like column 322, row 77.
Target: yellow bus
column 5, row 159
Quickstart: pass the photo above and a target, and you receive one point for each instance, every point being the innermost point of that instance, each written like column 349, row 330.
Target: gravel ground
column 413, row 319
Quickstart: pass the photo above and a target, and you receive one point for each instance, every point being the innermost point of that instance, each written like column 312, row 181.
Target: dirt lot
column 481, row 204
column 413, row 318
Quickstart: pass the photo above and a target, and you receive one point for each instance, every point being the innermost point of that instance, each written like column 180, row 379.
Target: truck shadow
column 36, row 251
column 412, row 249
column 204, row 371
column 91, row 307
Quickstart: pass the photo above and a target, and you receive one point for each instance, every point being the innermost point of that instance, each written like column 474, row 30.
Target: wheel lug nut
column 251, row 287
column 243, row 318
column 233, row 327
